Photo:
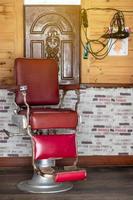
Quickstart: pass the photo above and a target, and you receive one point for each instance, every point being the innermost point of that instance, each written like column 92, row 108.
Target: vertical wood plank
column 11, row 37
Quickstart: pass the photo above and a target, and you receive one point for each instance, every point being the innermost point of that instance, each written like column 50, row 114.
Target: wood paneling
column 11, row 37
column 112, row 69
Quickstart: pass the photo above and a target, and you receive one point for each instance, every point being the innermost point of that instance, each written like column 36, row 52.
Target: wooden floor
column 112, row 183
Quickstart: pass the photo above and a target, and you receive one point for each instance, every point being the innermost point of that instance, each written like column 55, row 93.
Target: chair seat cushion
column 47, row 118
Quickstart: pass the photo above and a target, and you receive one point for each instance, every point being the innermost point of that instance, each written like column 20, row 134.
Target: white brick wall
column 105, row 122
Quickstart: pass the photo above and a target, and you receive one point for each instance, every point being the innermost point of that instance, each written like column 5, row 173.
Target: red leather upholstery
column 70, row 176
column 41, row 78
column 44, row 118
column 53, row 118
column 54, row 146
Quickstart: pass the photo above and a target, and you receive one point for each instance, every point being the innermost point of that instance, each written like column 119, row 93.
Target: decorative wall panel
column 54, row 32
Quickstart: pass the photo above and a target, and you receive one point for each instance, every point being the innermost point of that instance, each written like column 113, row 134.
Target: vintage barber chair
column 37, row 88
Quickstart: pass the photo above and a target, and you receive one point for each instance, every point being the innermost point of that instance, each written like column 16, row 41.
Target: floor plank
column 111, row 183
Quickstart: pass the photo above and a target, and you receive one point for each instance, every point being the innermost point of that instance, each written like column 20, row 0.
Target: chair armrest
column 23, row 89
column 20, row 119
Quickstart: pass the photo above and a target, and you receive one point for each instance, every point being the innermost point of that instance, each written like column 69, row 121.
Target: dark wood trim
column 79, row 86
column 12, row 88
column 15, row 161
column 105, row 85
column 106, row 160
column 84, row 161
column 70, row 87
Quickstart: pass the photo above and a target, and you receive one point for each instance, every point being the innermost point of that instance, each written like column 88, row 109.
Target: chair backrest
column 41, row 78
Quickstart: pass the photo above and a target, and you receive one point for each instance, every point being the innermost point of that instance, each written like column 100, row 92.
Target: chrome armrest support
column 62, row 98
column 23, row 90
column 22, row 121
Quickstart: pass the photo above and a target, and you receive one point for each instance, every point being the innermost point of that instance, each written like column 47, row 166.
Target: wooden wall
column 112, row 69
column 11, row 37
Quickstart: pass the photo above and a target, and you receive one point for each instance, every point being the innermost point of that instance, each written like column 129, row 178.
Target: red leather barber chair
column 37, row 83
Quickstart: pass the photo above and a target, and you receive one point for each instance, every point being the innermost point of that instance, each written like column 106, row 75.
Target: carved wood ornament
column 53, row 32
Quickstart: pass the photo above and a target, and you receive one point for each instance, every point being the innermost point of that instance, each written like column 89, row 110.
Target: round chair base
column 39, row 184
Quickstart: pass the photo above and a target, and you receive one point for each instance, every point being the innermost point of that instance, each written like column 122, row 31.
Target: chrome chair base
column 39, row 184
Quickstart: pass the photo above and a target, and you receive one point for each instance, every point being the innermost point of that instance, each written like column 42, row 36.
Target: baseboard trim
column 15, row 161
column 84, row 161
